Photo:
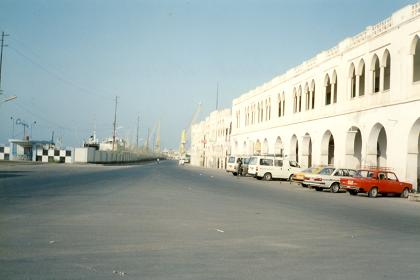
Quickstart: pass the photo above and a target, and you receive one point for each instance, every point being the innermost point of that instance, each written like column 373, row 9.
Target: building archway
column 294, row 149
column 354, row 147
column 264, row 147
column 376, row 74
column 415, row 52
column 306, row 159
column 362, row 77
column 257, row 149
column 278, row 147
column 377, row 146
column 386, row 64
column 413, row 155
column 327, row 148
column 251, row 148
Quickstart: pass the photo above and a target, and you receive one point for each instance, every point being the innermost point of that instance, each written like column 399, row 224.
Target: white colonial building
column 210, row 140
column 353, row 105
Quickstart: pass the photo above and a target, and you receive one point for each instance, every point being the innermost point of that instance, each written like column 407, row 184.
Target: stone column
column 381, row 79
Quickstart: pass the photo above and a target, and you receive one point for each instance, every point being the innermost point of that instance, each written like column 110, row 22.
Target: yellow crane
column 185, row 134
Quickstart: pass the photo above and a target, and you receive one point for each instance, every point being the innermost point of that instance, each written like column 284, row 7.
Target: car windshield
column 253, row 161
column 231, row 160
column 245, row 160
column 327, row 171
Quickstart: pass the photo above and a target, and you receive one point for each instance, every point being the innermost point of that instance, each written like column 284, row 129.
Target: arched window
column 352, row 81
column 387, row 70
column 284, row 102
column 300, row 99
column 362, row 78
column 376, row 76
column 295, row 101
column 327, row 90
column 335, row 86
column 307, row 97
column 269, row 108
column 313, row 94
column 416, row 59
column 280, row 105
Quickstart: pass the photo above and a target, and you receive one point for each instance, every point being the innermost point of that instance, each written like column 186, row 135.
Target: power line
column 57, row 76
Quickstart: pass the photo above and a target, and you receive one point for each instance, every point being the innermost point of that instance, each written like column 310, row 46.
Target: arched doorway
column 278, row 147
column 354, row 147
column 377, row 146
column 306, row 159
column 294, row 149
column 257, row 149
column 413, row 155
column 264, row 149
column 327, row 148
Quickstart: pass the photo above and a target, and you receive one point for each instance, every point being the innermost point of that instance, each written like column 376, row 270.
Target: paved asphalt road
column 168, row 222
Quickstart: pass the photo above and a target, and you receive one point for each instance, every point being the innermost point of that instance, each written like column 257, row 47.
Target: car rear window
column 231, row 160
column 327, row 171
column 246, row 160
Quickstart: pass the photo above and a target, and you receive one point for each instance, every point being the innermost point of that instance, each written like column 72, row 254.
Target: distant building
column 357, row 104
column 210, row 140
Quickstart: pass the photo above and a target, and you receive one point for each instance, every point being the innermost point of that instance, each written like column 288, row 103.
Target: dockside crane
column 185, row 134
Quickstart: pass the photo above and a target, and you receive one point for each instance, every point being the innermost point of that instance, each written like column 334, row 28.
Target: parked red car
column 374, row 182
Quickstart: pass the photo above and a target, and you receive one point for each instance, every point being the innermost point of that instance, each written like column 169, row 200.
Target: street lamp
column 13, row 126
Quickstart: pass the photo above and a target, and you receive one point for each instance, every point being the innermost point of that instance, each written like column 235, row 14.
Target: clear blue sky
column 67, row 60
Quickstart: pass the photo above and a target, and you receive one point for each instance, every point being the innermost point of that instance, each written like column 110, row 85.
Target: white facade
column 353, row 105
column 210, row 140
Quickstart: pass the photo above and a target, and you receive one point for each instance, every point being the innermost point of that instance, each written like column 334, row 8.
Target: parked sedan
column 328, row 178
column 299, row 177
column 374, row 182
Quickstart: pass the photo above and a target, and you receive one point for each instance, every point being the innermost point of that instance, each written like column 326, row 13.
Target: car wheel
column 267, row 176
column 404, row 193
column 304, row 185
column 318, row 189
column 373, row 192
column 335, row 188
column 353, row 192
column 234, row 173
column 290, row 178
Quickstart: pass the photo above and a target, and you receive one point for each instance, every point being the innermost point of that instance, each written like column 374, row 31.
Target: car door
column 383, row 184
column 394, row 186
column 278, row 167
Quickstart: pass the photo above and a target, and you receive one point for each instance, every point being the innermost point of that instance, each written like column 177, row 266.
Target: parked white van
column 271, row 167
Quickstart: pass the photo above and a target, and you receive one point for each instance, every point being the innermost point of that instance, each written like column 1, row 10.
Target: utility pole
column 137, row 138
column 115, row 123
column 1, row 53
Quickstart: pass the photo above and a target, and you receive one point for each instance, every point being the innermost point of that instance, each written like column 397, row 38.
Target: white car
column 271, row 167
column 328, row 178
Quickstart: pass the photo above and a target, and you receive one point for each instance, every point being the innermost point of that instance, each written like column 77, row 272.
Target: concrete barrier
column 90, row 155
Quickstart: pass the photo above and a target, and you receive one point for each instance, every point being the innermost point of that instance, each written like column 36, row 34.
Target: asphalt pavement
column 163, row 221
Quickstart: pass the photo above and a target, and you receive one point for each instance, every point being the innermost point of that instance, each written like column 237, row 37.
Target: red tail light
column 317, row 179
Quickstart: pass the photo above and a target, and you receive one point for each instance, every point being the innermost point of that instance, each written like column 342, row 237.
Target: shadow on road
column 8, row 174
